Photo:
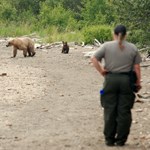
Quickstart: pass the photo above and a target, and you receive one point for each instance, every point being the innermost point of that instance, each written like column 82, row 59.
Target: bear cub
column 65, row 48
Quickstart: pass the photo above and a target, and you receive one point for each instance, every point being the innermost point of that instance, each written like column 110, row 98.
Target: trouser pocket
column 133, row 79
column 102, row 100
column 103, row 92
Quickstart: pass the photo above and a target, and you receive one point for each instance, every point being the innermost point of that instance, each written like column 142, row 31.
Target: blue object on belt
column 101, row 92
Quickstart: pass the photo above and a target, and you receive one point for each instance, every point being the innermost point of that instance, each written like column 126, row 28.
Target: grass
column 12, row 30
column 50, row 34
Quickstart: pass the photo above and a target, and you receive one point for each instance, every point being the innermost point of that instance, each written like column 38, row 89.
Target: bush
column 56, row 16
column 7, row 12
column 138, row 37
column 101, row 33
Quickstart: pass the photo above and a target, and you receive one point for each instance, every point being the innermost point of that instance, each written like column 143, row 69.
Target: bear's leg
column 29, row 52
column 14, row 52
column 67, row 51
column 25, row 53
column 32, row 51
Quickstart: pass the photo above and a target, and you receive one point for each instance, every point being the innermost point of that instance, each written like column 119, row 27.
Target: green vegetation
column 75, row 20
column 101, row 33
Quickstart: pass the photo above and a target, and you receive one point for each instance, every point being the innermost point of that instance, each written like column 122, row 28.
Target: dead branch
column 147, row 65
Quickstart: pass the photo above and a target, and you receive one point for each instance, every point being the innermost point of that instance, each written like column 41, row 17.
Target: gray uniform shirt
column 116, row 59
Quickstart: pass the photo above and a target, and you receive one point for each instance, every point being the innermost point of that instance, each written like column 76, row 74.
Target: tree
column 7, row 12
column 75, row 6
column 97, row 12
column 57, row 16
column 26, row 5
column 135, row 14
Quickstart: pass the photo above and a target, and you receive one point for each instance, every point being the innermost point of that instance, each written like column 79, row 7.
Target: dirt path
column 51, row 102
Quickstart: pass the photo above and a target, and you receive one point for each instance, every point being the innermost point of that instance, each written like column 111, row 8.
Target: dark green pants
column 117, row 100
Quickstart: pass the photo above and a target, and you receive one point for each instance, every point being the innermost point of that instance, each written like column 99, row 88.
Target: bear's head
column 10, row 43
column 65, row 44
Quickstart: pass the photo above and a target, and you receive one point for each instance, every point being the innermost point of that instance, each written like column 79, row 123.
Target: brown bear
column 23, row 43
column 65, row 48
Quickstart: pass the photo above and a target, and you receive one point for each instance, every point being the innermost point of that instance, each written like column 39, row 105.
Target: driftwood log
column 144, row 49
column 97, row 43
column 146, row 65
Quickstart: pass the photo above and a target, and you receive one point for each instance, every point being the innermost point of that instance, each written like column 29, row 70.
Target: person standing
column 117, row 96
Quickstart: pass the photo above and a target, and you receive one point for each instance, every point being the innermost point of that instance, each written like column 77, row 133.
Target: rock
column 67, row 145
column 9, row 124
column 45, row 109
column 88, row 46
column 139, row 101
column 17, row 138
column 140, row 96
column 88, row 54
column 139, row 110
column 147, row 137
column 144, row 97
column 3, row 74
column 134, row 122
column 37, row 46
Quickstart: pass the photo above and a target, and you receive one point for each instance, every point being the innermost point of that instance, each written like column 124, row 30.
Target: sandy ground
column 51, row 102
